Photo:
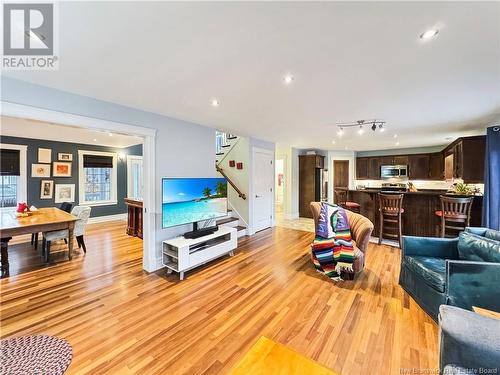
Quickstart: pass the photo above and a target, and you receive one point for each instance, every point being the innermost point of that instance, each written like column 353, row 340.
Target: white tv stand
column 182, row 254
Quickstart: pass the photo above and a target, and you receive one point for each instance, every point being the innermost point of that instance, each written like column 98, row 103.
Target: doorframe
column 252, row 187
column 86, row 122
column 130, row 158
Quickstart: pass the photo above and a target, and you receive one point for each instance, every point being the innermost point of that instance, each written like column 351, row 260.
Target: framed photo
column 65, row 193
column 65, row 157
column 46, row 189
column 40, row 170
column 44, row 155
column 61, row 169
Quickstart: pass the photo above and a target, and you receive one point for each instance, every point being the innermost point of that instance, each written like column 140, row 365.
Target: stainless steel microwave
column 394, row 171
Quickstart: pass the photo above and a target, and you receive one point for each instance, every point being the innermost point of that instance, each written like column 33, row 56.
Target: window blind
column 97, row 161
column 9, row 162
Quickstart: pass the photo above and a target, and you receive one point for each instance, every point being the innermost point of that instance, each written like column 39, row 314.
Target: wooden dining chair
column 341, row 200
column 454, row 214
column 390, row 211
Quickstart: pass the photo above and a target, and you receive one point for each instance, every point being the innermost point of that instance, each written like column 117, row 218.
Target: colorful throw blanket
column 332, row 249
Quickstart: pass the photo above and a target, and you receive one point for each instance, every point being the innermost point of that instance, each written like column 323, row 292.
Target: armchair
column 463, row 271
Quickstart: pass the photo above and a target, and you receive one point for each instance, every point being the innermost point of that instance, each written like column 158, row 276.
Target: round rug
column 38, row 354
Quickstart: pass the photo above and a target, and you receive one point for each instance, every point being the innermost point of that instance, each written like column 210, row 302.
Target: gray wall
column 183, row 149
column 402, row 151
column 33, row 193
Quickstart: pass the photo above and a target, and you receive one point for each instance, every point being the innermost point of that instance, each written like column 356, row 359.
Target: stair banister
column 240, row 193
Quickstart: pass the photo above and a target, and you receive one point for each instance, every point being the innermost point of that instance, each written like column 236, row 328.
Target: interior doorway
column 279, row 185
column 340, row 175
column 263, row 185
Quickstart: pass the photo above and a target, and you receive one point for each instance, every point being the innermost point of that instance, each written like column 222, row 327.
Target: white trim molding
column 22, row 186
column 102, row 219
column 81, row 179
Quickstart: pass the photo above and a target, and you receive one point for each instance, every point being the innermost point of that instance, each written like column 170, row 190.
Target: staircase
column 224, row 143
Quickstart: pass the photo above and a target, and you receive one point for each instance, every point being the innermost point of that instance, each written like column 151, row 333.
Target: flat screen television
column 189, row 200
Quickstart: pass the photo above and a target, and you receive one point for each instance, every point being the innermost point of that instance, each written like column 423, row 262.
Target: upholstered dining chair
column 83, row 214
column 65, row 206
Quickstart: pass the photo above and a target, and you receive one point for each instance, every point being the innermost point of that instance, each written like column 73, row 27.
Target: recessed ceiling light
column 288, row 79
column 395, row 136
column 333, row 141
column 95, row 140
column 397, row 143
column 110, row 134
column 215, row 102
column 429, row 34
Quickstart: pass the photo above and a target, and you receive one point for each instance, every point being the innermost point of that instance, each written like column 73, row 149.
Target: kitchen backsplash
column 419, row 184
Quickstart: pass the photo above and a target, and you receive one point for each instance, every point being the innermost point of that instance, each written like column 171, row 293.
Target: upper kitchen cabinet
column 374, row 168
column 418, row 166
column 464, row 159
column 362, row 168
column 436, row 166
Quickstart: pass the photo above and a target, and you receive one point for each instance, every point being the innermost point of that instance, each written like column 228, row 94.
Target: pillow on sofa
column 477, row 248
column 492, row 234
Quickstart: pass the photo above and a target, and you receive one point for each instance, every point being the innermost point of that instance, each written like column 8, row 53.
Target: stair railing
column 240, row 193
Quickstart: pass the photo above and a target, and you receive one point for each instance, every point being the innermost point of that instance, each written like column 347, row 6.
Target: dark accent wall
column 72, row 148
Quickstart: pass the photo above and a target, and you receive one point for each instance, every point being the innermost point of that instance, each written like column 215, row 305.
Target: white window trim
column 22, row 187
column 81, row 179
column 130, row 158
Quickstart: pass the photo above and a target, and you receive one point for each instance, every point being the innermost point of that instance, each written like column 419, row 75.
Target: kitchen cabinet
column 361, row 168
column 464, row 159
column 436, row 166
column 374, row 168
column 401, row 160
column 418, row 167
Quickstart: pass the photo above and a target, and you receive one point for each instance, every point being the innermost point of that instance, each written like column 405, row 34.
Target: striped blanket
column 332, row 248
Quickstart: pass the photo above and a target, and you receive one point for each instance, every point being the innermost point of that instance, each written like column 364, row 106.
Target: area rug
column 38, row 354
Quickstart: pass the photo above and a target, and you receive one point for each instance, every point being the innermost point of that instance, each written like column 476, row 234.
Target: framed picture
column 61, row 169
column 64, row 157
column 65, row 193
column 44, row 155
column 46, row 189
column 40, row 170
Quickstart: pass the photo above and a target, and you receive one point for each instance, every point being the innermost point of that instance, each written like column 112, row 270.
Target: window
column 13, row 178
column 134, row 177
column 97, row 178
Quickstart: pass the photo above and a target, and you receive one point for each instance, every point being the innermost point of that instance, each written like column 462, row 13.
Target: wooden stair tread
column 228, row 220
column 239, row 227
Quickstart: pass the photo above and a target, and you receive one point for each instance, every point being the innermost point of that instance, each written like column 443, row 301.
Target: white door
column 263, row 195
column 134, row 177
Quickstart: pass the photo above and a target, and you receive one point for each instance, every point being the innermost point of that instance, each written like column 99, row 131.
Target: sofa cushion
column 431, row 269
column 492, row 234
column 476, row 248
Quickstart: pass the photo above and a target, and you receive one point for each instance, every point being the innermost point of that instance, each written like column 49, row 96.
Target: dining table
column 41, row 220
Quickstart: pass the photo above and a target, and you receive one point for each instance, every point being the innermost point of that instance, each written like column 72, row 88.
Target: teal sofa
column 463, row 271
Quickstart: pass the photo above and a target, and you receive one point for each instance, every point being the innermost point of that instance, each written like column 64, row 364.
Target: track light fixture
column 373, row 124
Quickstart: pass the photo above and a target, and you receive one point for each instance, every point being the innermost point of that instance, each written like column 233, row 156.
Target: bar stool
column 456, row 212
column 341, row 200
column 390, row 210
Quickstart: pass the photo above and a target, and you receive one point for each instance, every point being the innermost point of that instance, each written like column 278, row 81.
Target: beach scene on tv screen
column 186, row 200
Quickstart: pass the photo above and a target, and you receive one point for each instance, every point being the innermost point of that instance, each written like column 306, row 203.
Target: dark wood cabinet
column 310, row 173
column 401, row 160
column 374, row 168
column 361, row 168
column 418, row 166
column 436, row 166
column 465, row 159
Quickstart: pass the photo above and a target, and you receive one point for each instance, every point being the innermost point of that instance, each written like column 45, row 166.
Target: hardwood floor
column 120, row 319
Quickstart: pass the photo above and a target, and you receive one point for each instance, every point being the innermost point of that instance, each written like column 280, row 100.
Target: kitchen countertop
column 419, row 192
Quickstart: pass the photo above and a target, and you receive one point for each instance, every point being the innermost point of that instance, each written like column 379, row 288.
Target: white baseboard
column 101, row 219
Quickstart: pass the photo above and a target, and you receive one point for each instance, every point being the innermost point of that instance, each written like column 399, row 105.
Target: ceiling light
column 95, row 140
column 333, row 141
column 288, row 79
column 361, row 130
column 395, row 136
column 340, row 132
column 110, row 134
column 381, row 128
column 397, row 143
column 429, row 34
column 215, row 102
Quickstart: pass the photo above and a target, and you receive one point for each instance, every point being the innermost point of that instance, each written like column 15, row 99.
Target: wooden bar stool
column 390, row 210
column 341, row 200
column 454, row 213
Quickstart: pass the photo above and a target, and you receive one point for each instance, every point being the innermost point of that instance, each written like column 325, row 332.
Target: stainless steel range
column 393, row 187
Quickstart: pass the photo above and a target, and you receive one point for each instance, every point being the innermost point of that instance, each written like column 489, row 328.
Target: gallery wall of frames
column 53, row 174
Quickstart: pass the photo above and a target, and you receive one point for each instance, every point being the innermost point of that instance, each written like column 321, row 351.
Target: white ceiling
column 25, row 128
column 350, row 60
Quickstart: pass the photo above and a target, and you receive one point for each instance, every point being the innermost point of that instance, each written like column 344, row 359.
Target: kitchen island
column 419, row 218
